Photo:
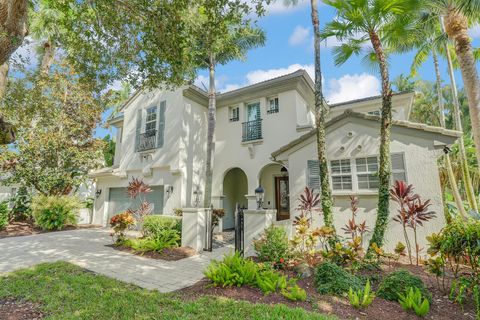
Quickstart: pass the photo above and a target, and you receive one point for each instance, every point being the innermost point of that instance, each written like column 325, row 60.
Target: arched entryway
column 235, row 187
column 274, row 180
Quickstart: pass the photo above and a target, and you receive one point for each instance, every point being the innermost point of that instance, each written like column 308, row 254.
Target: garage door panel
column 119, row 200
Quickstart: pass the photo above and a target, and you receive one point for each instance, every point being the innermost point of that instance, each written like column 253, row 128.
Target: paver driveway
column 87, row 248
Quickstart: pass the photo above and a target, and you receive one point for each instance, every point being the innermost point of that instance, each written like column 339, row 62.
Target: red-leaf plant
column 308, row 202
column 412, row 213
column 353, row 228
column 137, row 188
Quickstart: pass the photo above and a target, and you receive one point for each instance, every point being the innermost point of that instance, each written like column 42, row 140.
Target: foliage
column 476, row 300
column 361, row 298
column 413, row 300
column 3, row 214
column 332, row 279
column 138, row 189
column 308, row 203
column 400, row 249
column 120, row 224
column 269, row 281
column 459, row 290
column 217, row 214
column 55, row 116
column 66, row 291
column 233, row 270
column 178, row 212
column 399, row 282
column 153, row 225
column 108, row 150
column 273, row 246
column 21, row 210
column 294, row 293
column 167, row 238
column 352, row 228
column 412, row 213
column 55, row 212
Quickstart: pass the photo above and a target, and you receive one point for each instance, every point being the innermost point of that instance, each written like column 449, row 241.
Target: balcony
column 252, row 130
column 147, row 141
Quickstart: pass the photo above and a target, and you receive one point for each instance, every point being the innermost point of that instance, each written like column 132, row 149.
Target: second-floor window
column 272, row 106
column 234, row 114
column 151, row 121
column 375, row 113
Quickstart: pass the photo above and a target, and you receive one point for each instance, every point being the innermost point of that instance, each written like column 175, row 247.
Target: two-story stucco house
column 264, row 136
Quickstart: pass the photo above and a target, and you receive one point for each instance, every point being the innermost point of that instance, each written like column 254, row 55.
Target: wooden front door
column 282, row 198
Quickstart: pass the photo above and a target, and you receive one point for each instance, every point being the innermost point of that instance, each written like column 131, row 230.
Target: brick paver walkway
column 87, row 248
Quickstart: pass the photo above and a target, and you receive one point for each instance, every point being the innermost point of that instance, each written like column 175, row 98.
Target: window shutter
column 313, row 174
column 161, row 124
column 138, row 129
column 398, row 167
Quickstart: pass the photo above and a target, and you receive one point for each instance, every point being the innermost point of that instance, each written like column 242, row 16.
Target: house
column 264, row 136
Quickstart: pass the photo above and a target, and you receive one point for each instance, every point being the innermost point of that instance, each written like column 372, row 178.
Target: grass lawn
column 66, row 291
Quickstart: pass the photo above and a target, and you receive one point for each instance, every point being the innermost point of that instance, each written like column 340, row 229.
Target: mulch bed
column 441, row 307
column 20, row 228
column 172, row 254
column 11, row 309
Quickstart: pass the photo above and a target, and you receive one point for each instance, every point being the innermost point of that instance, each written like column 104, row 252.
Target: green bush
column 233, row 270
column 333, row 279
column 273, row 246
column 21, row 210
column 398, row 282
column 414, row 300
column 153, row 225
column 269, row 281
column 55, row 212
column 361, row 298
column 3, row 214
column 166, row 239
column 294, row 293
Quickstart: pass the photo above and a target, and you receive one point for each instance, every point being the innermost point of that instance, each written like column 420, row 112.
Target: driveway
column 87, row 248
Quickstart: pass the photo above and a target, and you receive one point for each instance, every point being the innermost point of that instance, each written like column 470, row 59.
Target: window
column 374, row 113
column 398, row 167
column 272, row 105
column 234, row 114
column 367, row 176
column 151, row 121
column 341, row 172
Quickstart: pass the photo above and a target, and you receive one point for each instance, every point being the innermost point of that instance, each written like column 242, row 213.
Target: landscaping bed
column 169, row 254
column 20, row 228
column 13, row 309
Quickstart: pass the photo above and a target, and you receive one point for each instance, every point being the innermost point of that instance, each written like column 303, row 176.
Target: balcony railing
column 252, row 130
column 147, row 141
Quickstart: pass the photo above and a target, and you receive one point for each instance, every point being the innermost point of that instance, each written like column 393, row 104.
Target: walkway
column 87, row 248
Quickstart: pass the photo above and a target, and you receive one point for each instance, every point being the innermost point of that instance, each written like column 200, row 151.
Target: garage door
column 119, row 201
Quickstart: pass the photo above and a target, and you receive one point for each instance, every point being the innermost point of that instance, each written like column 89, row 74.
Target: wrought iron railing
column 252, row 130
column 147, row 141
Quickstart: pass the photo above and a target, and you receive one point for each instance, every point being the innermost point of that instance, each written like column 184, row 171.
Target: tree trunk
column 384, row 169
column 210, row 133
column 448, row 162
column 3, row 79
column 456, row 25
column 13, row 26
column 48, row 57
column 7, row 133
column 458, row 125
column 320, row 115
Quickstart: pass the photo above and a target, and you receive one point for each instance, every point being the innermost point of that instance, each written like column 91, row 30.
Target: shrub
column 361, row 298
column 233, row 270
column 269, row 281
column 167, row 239
column 398, row 282
column 3, row 214
column 273, row 246
column 55, row 212
column 413, row 300
column 21, row 209
column 332, row 279
column 294, row 293
column 154, row 225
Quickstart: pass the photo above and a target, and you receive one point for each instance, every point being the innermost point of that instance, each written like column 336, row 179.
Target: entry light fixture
column 259, row 194
column 98, row 192
column 284, row 172
column 169, row 191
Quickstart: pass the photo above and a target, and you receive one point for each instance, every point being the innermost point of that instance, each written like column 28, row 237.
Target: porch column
column 193, row 228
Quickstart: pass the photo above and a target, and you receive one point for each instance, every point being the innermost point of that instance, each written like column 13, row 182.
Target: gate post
column 239, row 230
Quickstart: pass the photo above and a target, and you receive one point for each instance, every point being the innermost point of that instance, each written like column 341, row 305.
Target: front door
column 282, row 198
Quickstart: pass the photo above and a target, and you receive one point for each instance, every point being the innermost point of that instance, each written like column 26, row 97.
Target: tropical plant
column 233, row 270
column 361, row 298
column 333, row 279
column 165, row 239
column 217, row 214
column 138, row 189
column 108, row 150
column 154, row 225
column 399, row 282
column 378, row 22
column 308, row 203
column 273, row 246
column 294, row 293
column 269, row 281
column 3, row 214
column 413, row 300
column 400, row 249
column 21, row 201
column 352, row 228
column 55, row 212
column 120, row 224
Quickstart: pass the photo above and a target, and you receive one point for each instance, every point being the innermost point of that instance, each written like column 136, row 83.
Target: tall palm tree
column 321, row 111
column 377, row 22
column 458, row 16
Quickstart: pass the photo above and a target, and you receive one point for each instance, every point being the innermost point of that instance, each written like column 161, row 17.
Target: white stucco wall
column 421, row 169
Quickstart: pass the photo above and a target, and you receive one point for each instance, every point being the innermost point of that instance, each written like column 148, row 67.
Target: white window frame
column 341, row 174
column 368, row 172
column 155, row 121
column 276, row 108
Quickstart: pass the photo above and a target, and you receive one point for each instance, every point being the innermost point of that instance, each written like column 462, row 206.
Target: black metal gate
column 239, row 229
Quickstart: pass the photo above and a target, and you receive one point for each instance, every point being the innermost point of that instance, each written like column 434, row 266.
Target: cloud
column 279, row 7
column 351, row 87
column 474, row 31
column 300, row 35
column 262, row 75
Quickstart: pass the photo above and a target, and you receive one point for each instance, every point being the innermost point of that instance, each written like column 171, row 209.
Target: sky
column 289, row 47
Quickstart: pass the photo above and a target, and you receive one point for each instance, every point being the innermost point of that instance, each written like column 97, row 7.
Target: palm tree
column 457, row 16
column 321, row 111
column 377, row 22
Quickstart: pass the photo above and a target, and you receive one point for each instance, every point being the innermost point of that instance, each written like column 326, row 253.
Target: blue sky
column 289, row 47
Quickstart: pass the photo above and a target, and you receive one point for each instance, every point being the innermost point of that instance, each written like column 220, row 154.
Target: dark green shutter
column 313, row 175
column 138, row 129
column 161, row 124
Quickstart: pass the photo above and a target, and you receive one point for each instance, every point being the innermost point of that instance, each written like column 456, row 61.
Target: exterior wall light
column 98, row 192
column 259, row 194
column 169, row 191
column 284, row 172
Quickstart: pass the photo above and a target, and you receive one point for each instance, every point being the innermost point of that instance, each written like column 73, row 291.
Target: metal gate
column 239, row 229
